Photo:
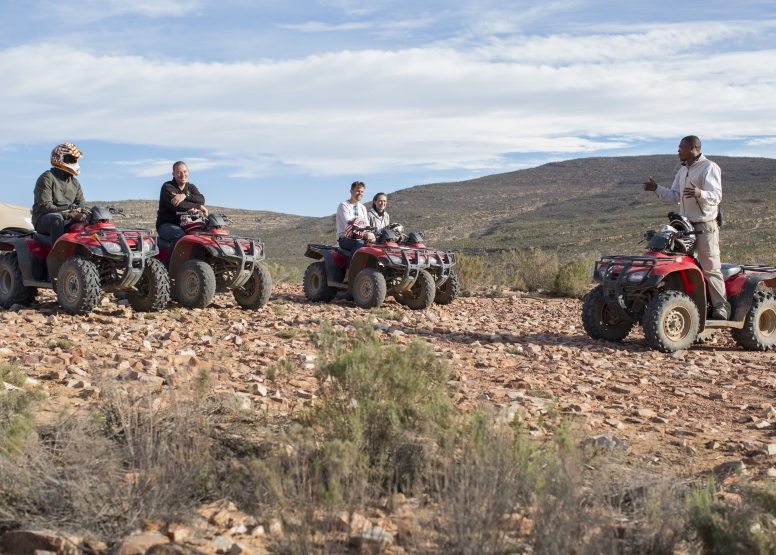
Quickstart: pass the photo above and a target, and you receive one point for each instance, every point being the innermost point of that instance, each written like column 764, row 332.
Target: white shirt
column 346, row 213
column 705, row 175
column 377, row 221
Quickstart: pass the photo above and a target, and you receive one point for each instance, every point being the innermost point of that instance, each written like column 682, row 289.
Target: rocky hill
column 583, row 206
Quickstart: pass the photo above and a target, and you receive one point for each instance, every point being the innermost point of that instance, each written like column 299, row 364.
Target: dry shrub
column 102, row 476
column 528, row 270
column 737, row 524
column 472, row 272
column 574, row 278
column 281, row 274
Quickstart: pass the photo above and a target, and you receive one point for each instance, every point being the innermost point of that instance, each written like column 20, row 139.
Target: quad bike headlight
column 148, row 245
column 112, row 247
column 228, row 250
column 639, row 276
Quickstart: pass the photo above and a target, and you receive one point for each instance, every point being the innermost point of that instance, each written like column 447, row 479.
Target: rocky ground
column 526, row 356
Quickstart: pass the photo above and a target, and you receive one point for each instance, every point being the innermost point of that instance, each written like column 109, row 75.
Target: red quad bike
column 664, row 290
column 208, row 259
column 90, row 258
column 395, row 264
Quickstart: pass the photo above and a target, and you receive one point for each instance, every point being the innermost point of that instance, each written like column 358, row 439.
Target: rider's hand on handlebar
column 650, row 185
column 369, row 237
column 204, row 211
column 76, row 216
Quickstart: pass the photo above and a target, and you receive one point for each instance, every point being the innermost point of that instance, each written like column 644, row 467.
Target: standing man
column 55, row 190
column 178, row 195
column 697, row 189
column 352, row 214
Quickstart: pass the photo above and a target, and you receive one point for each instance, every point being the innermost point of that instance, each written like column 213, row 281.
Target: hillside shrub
column 17, row 409
column 281, row 274
column 472, row 272
column 573, row 278
column 527, row 270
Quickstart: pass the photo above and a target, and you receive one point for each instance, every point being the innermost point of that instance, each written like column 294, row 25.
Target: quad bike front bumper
column 132, row 262
column 242, row 263
column 623, row 277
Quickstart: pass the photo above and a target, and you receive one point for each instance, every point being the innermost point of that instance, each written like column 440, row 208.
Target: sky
column 281, row 105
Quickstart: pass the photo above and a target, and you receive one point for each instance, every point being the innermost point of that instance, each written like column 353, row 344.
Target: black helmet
column 680, row 223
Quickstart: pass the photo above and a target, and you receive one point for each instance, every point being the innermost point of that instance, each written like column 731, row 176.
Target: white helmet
column 65, row 156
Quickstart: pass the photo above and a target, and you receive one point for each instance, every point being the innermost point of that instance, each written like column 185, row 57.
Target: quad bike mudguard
column 741, row 289
column 32, row 265
column 335, row 263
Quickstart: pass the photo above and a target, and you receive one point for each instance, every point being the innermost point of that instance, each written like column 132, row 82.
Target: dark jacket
column 55, row 191
column 167, row 212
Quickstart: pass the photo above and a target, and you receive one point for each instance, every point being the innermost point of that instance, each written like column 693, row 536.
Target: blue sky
column 281, row 105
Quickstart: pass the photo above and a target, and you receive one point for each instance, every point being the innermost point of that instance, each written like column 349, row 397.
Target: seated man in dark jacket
column 55, row 190
column 178, row 195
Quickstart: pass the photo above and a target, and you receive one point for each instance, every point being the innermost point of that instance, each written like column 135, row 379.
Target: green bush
column 281, row 274
column 472, row 272
column 573, row 279
column 16, row 409
column 528, row 270
column 743, row 526
column 383, row 399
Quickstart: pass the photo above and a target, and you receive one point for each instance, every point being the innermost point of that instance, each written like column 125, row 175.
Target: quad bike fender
column 362, row 259
column 61, row 251
column 335, row 265
column 33, row 267
column 741, row 302
column 187, row 248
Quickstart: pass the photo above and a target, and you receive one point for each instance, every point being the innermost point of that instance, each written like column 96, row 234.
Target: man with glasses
column 57, row 189
column 351, row 214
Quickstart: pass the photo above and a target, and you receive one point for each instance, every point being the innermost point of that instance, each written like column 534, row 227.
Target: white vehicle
column 15, row 218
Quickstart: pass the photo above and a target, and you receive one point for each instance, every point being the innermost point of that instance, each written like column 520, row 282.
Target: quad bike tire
column 256, row 291
column 78, row 285
column 152, row 292
column 671, row 322
column 759, row 331
column 12, row 288
column 369, row 288
column 316, row 283
column 599, row 321
column 448, row 291
column 195, row 284
column 422, row 293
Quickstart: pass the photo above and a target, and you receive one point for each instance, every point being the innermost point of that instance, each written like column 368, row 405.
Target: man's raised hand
column 650, row 185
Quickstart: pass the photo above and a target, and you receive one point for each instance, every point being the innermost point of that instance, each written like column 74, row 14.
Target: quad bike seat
column 729, row 270
column 162, row 243
column 344, row 252
column 45, row 239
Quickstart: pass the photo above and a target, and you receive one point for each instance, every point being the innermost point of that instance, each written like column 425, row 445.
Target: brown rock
column 139, row 544
column 25, row 542
column 172, row 549
column 178, row 532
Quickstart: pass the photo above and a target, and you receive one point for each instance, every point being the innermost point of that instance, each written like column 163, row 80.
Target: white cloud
column 321, row 27
column 762, row 141
column 442, row 106
column 92, row 10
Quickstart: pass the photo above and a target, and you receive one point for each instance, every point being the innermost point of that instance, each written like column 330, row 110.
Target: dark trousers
column 171, row 233
column 51, row 224
column 351, row 245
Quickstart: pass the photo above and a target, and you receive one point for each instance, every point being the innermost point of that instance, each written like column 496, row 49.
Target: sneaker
column 720, row 313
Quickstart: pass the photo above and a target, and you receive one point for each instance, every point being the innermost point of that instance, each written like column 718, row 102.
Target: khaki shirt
column 55, row 191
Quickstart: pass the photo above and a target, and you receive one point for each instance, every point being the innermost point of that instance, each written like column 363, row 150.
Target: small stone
column 645, row 413
column 605, row 441
column 373, row 539
column 24, row 542
column 222, row 544
column 769, row 413
column 259, row 389
column 275, row 527
column 769, row 449
column 763, row 425
column 614, row 423
column 57, row 375
column 730, row 467
column 139, row 544
column 178, row 532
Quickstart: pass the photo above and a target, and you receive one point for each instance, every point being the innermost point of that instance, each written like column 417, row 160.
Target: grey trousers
column 707, row 253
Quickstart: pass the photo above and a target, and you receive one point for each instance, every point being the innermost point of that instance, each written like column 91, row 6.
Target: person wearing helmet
column 351, row 215
column 56, row 190
column 697, row 188
column 378, row 217
column 177, row 195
